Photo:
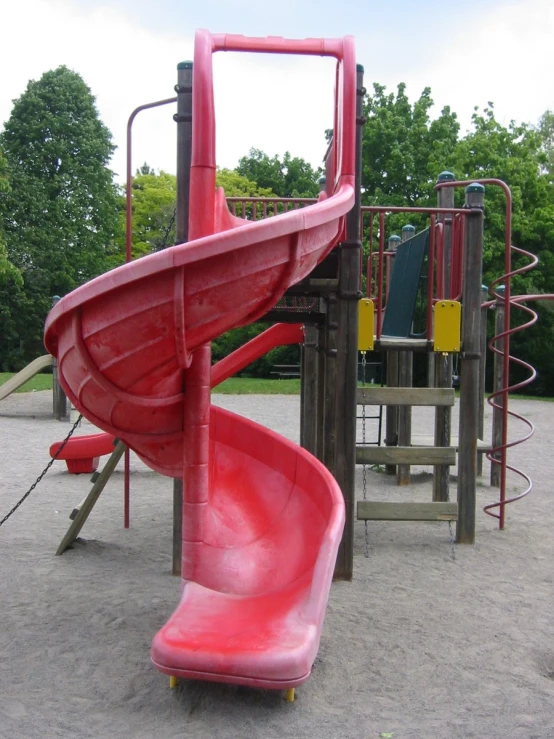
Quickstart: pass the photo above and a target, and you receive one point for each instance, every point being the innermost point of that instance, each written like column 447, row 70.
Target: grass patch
column 258, row 386
column 38, row 382
column 232, row 386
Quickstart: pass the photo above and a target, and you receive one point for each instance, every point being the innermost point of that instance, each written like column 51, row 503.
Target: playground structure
column 321, row 289
column 262, row 518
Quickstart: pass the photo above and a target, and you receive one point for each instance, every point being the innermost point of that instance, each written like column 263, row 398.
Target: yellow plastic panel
column 365, row 325
column 448, row 319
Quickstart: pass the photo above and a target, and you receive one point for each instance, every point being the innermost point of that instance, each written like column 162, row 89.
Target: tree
column 291, row 178
column 515, row 154
column 60, row 215
column 153, row 204
column 403, row 149
column 546, row 132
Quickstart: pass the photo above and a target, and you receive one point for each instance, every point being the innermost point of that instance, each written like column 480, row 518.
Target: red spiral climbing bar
column 498, row 455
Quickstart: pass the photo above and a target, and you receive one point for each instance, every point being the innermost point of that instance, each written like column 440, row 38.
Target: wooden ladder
column 394, row 455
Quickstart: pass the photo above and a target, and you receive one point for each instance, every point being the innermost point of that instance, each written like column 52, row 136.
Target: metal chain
column 44, row 471
column 364, row 466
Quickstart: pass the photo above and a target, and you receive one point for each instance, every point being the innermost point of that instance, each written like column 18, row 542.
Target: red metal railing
column 379, row 264
column 128, row 257
column 257, row 208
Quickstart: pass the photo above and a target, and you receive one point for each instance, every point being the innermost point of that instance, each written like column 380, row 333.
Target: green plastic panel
column 405, row 285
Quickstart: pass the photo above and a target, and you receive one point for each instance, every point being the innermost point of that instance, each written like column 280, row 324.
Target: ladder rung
column 369, row 510
column 406, row 455
column 428, row 396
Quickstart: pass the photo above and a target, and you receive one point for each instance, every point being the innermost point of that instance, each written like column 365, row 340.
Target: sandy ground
column 418, row 646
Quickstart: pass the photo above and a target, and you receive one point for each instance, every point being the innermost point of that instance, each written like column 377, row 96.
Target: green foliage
column 403, row 150
column 546, row 132
column 153, row 209
column 154, row 200
column 237, row 337
column 60, row 213
column 237, row 185
column 291, row 178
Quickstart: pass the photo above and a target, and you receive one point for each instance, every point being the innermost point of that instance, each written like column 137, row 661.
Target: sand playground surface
column 418, row 646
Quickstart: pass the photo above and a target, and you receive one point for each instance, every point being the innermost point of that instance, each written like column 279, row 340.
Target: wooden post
column 469, row 361
column 59, row 398
column 321, row 375
column 311, row 383
column 482, row 373
column 405, row 379
column 329, row 435
column 308, row 383
column 443, row 363
column 183, row 118
column 498, row 384
column 347, row 353
column 391, row 412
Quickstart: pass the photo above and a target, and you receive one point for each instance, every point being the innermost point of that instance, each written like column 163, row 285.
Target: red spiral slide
column 262, row 518
column 82, row 453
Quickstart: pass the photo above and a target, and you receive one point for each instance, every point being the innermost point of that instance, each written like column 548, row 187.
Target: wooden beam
column 391, row 412
column 405, row 455
column 369, row 510
column 346, row 363
column 428, row 440
column 422, row 396
column 87, row 505
column 469, row 365
column 405, row 381
column 308, row 390
column 393, row 343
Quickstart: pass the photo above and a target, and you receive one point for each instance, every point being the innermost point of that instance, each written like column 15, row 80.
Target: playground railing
column 256, row 208
column 380, row 259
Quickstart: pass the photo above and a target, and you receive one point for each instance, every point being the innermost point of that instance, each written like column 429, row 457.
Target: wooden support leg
column 405, row 376
column 88, row 504
column 391, row 413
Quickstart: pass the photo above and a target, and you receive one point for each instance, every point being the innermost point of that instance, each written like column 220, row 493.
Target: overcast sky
column 127, row 50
